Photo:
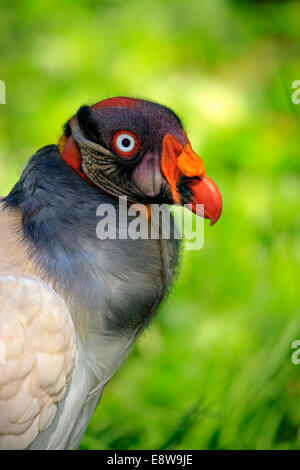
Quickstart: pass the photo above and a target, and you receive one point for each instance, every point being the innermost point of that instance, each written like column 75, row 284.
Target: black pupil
column 126, row 142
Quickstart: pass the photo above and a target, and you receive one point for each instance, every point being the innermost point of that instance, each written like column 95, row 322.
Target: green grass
column 214, row 369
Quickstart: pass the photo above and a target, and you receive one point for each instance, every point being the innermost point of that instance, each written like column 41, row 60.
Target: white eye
column 125, row 143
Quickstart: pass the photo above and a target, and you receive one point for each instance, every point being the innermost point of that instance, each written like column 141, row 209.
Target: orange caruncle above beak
column 180, row 163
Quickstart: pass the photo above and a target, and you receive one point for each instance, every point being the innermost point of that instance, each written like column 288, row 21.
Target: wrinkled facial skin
column 160, row 168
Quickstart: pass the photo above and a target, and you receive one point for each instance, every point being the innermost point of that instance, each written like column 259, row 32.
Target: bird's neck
column 112, row 286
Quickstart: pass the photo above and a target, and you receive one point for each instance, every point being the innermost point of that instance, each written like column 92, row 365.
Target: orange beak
column 181, row 165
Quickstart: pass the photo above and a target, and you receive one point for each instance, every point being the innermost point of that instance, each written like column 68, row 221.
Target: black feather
column 88, row 124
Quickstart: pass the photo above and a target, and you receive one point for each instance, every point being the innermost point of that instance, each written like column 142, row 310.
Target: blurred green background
column 214, row 369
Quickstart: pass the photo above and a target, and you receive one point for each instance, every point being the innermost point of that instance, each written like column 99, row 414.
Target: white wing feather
column 37, row 356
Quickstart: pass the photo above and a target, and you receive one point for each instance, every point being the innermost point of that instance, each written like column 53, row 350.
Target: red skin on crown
column 119, row 101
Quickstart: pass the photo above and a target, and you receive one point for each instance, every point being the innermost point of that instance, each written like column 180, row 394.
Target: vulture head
column 139, row 149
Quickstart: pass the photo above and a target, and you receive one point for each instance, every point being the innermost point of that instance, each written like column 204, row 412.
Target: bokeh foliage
column 214, row 370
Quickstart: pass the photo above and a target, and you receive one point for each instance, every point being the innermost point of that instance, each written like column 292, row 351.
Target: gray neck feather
column 112, row 287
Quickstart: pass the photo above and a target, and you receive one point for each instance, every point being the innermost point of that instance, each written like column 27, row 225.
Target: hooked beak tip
column 206, row 199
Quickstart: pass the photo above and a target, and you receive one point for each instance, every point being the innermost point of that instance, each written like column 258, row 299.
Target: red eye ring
column 125, row 143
